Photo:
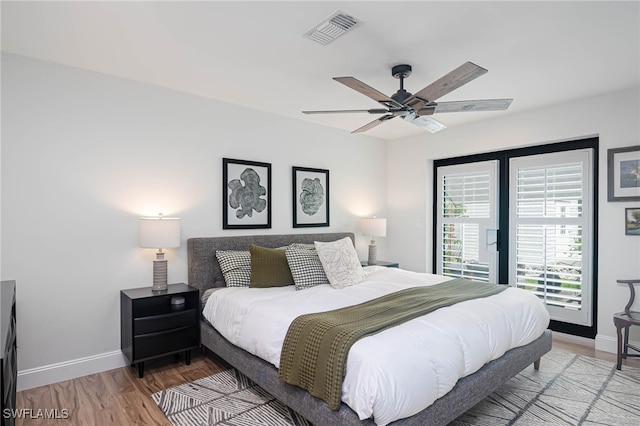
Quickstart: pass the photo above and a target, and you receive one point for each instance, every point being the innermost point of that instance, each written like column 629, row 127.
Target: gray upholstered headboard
column 204, row 271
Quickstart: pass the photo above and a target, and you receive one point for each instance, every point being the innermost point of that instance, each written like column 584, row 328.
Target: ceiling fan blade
column 368, row 91
column 480, row 105
column 374, row 123
column 343, row 111
column 446, row 84
column 428, row 123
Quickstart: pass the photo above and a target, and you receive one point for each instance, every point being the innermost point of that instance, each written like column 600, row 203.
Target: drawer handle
column 171, row 330
column 167, row 315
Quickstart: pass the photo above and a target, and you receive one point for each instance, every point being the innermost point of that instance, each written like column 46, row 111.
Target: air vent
column 333, row 27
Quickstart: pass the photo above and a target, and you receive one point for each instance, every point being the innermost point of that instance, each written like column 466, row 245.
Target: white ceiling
column 254, row 53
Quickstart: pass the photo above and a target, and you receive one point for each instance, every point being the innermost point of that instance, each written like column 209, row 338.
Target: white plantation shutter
column 466, row 208
column 554, row 191
column 461, row 252
column 466, row 195
column 550, row 231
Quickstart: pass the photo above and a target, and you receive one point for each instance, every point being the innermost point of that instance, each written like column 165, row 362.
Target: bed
column 204, row 273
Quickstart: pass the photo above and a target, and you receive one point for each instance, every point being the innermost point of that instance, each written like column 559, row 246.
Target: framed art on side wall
column 623, row 174
column 246, row 194
column 632, row 221
column 310, row 197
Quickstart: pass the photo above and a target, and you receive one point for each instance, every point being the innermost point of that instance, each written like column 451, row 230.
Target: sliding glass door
column 525, row 217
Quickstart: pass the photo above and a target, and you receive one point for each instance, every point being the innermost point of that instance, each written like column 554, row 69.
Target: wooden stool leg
column 619, row 332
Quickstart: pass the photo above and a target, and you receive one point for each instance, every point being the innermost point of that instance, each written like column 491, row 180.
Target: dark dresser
column 8, row 364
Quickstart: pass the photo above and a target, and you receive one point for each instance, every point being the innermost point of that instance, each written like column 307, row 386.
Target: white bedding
column 400, row 371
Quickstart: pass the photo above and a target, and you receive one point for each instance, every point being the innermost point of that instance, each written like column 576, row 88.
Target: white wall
column 614, row 117
column 85, row 154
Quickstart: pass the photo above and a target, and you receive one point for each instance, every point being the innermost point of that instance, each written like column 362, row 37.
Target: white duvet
column 400, row 371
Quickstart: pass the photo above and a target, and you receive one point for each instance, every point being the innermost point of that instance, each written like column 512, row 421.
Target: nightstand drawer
column 153, row 344
column 163, row 322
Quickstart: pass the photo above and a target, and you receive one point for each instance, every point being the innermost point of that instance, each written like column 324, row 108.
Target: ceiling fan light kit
column 419, row 107
column 431, row 125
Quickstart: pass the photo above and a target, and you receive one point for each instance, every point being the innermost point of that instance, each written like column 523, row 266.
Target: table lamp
column 158, row 233
column 374, row 227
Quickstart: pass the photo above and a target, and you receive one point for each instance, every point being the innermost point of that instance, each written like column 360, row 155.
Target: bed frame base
column 468, row 391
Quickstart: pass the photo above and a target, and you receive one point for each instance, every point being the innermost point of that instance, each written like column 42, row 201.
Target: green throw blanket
column 314, row 353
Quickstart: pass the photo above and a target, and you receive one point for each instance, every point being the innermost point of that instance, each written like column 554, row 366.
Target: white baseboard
column 610, row 344
column 600, row 343
column 67, row 370
column 607, row 344
column 570, row 338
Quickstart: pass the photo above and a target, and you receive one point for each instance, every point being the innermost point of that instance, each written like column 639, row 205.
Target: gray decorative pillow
column 235, row 266
column 305, row 266
column 340, row 262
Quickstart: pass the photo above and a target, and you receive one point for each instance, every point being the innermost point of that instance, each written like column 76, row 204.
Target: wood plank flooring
column 114, row 397
column 119, row 397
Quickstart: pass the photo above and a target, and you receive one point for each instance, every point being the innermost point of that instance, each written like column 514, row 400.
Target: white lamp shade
column 374, row 227
column 155, row 232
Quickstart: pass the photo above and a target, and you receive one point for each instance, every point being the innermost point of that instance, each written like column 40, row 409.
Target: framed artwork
column 246, row 194
column 310, row 197
column 623, row 174
column 632, row 221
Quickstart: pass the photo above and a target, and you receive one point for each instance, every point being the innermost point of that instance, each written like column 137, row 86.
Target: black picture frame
column 623, row 174
column 246, row 194
column 310, row 197
column 632, row 221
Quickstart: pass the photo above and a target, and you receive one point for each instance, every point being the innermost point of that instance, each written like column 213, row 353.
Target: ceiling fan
column 419, row 107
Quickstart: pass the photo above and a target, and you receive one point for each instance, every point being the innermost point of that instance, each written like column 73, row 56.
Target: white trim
column 570, row 338
column 600, row 343
column 53, row 373
column 610, row 344
column 607, row 344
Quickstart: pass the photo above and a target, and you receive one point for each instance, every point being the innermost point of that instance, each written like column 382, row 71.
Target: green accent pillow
column 269, row 267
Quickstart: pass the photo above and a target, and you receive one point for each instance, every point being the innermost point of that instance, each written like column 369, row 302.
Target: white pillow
column 340, row 262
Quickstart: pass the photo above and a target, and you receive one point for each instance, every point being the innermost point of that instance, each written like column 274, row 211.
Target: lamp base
column 159, row 273
column 373, row 253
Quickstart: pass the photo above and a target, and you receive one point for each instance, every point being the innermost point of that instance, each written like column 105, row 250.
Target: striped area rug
column 227, row 398
column 567, row 390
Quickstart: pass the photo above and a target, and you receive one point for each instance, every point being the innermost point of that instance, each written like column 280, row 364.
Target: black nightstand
column 382, row 263
column 150, row 326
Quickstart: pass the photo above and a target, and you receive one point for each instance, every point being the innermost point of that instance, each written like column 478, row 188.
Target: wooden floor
column 115, row 397
column 119, row 397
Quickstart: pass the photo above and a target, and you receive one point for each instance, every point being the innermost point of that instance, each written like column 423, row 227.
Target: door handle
column 492, row 238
